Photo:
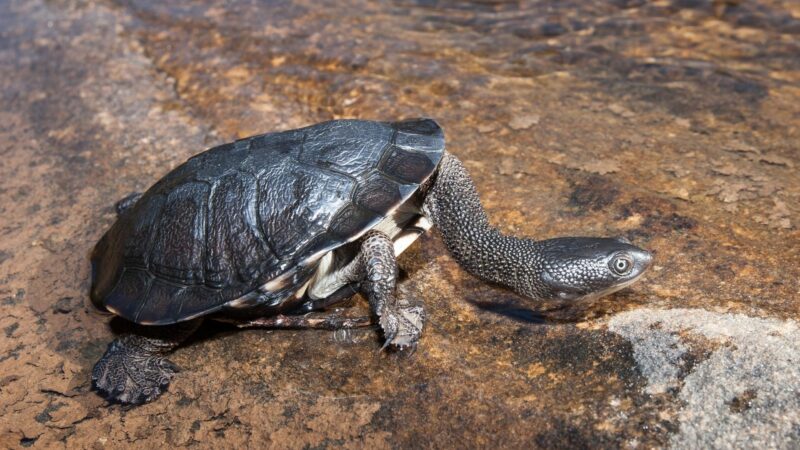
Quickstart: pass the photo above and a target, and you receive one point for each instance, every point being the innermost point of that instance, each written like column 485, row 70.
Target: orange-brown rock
column 673, row 123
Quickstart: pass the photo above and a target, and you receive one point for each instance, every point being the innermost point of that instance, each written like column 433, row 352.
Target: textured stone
column 673, row 124
column 743, row 393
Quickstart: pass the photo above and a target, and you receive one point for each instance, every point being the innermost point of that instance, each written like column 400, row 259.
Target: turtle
column 274, row 229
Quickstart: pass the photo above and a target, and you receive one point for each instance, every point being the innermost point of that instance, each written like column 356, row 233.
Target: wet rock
column 63, row 305
column 549, row 29
column 593, row 194
column 524, row 121
column 670, row 123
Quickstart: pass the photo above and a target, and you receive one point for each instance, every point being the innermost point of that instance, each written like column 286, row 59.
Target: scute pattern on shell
column 240, row 215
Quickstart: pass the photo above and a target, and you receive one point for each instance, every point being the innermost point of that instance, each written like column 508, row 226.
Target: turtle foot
column 402, row 326
column 129, row 374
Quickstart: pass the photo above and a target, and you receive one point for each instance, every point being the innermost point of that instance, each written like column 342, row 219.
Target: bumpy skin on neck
column 453, row 205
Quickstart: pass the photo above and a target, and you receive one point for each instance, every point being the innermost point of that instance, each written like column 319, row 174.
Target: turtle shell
column 247, row 222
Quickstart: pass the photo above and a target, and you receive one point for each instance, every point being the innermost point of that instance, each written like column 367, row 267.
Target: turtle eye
column 621, row 265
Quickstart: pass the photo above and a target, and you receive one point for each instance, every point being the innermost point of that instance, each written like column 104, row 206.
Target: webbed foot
column 402, row 326
column 130, row 374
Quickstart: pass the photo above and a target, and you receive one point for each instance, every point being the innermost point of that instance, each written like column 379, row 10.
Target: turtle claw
column 388, row 324
column 402, row 327
column 128, row 375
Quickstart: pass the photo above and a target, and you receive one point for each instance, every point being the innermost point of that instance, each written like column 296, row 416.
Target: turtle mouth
column 569, row 296
column 611, row 289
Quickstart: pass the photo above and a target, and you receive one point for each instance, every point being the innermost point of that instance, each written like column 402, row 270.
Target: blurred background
column 673, row 123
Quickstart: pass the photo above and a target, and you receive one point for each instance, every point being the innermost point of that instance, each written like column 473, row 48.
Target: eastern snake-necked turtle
column 265, row 229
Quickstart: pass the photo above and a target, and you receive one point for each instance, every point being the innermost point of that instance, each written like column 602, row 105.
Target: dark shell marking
column 259, row 211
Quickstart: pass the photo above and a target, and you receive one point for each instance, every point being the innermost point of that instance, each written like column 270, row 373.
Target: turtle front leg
column 400, row 320
column 134, row 369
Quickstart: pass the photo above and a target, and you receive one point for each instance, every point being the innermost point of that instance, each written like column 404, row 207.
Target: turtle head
column 581, row 267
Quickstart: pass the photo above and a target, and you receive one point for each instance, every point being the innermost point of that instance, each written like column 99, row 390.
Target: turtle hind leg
column 134, row 369
column 324, row 321
column 127, row 202
column 128, row 374
column 339, row 295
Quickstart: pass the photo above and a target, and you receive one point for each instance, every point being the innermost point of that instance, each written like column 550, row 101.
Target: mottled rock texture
column 673, row 123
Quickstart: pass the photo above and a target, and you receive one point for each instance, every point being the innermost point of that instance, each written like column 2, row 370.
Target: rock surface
column 674, row 123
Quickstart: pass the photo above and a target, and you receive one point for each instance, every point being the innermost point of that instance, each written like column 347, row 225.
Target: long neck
column 453, row 205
